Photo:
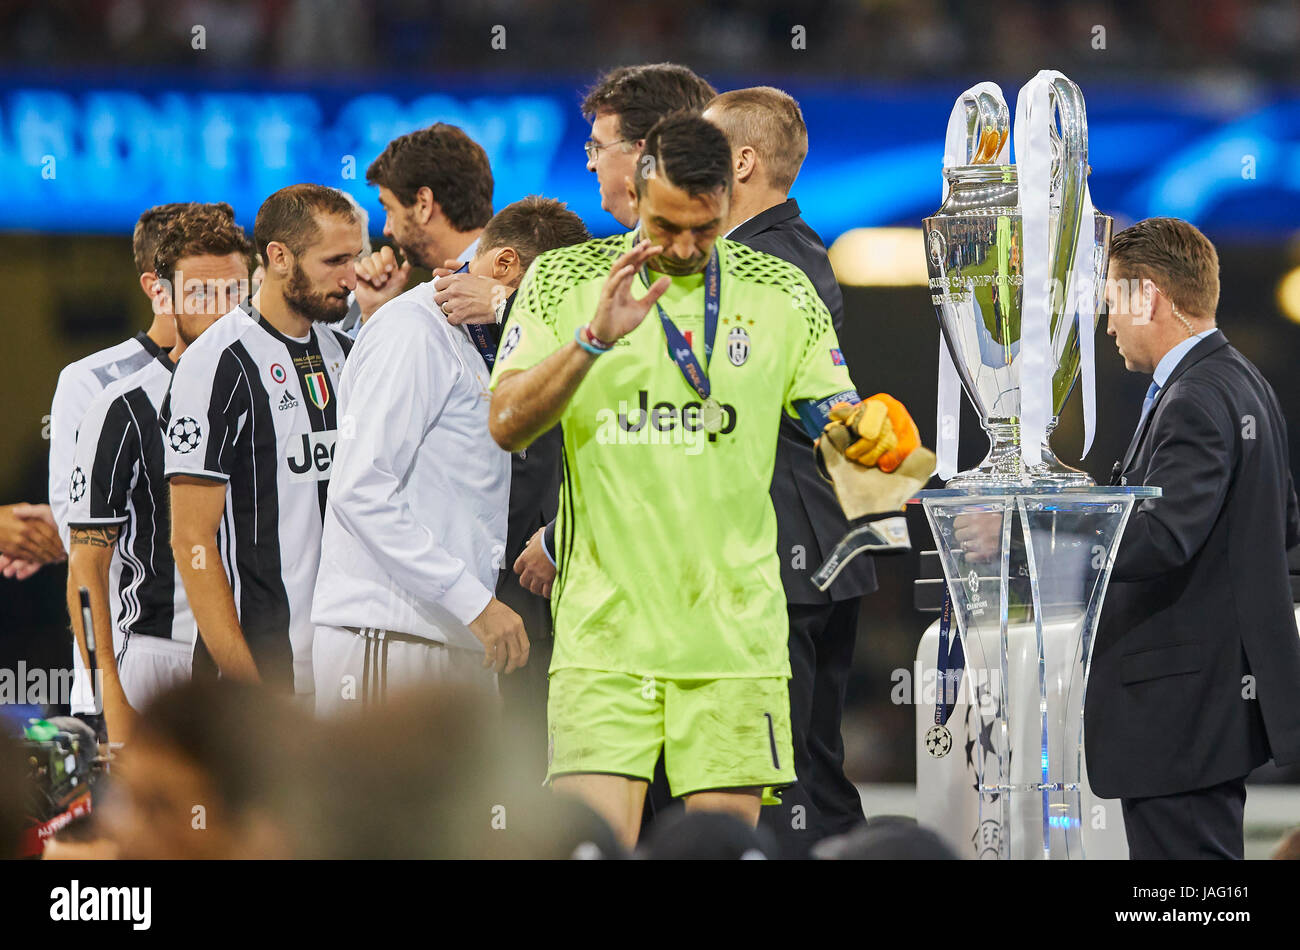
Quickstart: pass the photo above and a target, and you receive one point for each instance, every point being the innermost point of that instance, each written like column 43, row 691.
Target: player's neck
column 272, row 306
column 746, row 202
column 162, row 331
column 456, row 243
column 175, row 352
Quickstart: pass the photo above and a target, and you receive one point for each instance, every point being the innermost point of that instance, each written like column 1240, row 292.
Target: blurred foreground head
column 885, row 838
column 212, row 772
column 432, row 775
column 707, row 836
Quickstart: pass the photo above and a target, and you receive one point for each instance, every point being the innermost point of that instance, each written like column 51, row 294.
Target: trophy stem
column 1004, row 464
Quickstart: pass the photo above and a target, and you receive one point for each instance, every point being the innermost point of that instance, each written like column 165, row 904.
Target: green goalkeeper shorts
column 715, row 734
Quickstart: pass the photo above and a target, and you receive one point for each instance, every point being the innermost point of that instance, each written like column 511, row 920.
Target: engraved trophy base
column 1004, row 465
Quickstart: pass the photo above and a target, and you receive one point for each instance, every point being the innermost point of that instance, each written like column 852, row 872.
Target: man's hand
column 619, row 312
column 535, row 570
column 501, row 631
column 877, row 431
column 28, row 538
column 980, row 534
column 379, row 279
column 465, row 298
column 17, row 569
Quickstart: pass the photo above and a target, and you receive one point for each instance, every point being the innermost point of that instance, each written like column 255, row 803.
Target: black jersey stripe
column 152, row 523
column 254, row 502
column 344, row 341
column 115, row 454
column 126, row 485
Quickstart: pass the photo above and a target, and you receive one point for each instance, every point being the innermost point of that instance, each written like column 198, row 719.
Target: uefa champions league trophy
column 1017, row 259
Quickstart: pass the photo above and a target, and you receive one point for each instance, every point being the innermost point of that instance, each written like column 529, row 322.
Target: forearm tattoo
column 100, row 537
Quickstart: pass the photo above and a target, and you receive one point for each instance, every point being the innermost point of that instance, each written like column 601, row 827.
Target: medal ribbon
column 951, row 663
column 484, row 337
column 679, row 351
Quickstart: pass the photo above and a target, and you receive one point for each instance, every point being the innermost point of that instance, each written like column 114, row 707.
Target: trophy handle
column 1069, row 173
column 988, row 124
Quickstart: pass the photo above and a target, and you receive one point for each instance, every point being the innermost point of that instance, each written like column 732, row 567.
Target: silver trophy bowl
column 974, row 248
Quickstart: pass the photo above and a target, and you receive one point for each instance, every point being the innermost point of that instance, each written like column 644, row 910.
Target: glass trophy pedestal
column 1026, row 568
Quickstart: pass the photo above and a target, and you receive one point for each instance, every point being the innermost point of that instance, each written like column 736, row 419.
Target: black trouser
column 823, row 802
column 523, row 692
column 1205, row 823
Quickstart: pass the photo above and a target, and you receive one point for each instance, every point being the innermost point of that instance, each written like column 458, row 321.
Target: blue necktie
column 1146, row 403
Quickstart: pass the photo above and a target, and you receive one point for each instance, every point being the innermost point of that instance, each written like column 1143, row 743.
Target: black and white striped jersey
column 117, row 479
column 255, row 409
column 79, row 383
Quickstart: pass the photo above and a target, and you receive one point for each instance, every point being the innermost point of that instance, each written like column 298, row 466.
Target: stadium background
column 108, row 107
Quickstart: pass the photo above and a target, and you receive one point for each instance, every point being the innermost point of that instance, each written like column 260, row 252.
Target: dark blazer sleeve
column 1292, row 515
column 1192, row 458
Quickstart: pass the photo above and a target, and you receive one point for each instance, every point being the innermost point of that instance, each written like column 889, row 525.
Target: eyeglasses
column 593, row 148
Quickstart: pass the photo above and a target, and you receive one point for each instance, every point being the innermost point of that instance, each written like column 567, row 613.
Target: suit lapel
column 1214, row 341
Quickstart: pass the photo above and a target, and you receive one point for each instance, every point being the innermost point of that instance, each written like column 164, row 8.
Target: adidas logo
column 287, row 401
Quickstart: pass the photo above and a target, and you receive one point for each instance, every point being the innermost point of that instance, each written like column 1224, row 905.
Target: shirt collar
column 467, row 255
column 1169, row 362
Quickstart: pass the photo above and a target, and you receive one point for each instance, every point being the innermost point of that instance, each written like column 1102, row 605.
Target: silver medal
column 938, row 741
column 711, row 415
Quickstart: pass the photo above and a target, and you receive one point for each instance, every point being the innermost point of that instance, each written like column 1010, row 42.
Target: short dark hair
column 533, row 226
column 288, row 216
column 689, row 151
column 151, row 226
column 642, row 95
column 770, row 122
column 445, row 160
column 1176, row 256
column 201, row 229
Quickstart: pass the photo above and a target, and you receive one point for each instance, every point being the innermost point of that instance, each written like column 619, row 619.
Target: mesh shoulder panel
column 756, row 267
column 554, row 274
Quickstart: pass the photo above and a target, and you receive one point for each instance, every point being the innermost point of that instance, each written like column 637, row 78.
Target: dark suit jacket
column 534, row 501
column 807, row 514
column 1200, row 597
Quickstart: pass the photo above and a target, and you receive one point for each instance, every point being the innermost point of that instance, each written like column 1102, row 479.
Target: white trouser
column 152, row 665
column 359, row 667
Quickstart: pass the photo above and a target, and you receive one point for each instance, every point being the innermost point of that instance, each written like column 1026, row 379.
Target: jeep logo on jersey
column 185, row 435
column 311, row 456
column 317, row 389
column 78, row 486
column 737, row 346
column 665, row 417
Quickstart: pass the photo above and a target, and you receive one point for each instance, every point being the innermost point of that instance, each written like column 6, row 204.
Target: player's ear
column 279, row 259
column 505, row 265
column 148, row 282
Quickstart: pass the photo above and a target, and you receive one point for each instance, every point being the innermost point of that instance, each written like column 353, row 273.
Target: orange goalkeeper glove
column 877, row 431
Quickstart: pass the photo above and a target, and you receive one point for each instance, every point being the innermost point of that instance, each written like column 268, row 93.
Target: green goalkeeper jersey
column 666, row 537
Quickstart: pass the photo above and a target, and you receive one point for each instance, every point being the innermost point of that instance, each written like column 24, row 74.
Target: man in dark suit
column 1196, row 663
column 768, row 144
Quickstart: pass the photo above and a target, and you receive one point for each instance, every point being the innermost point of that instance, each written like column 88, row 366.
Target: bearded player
column 249, row 440
column 670, row 620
